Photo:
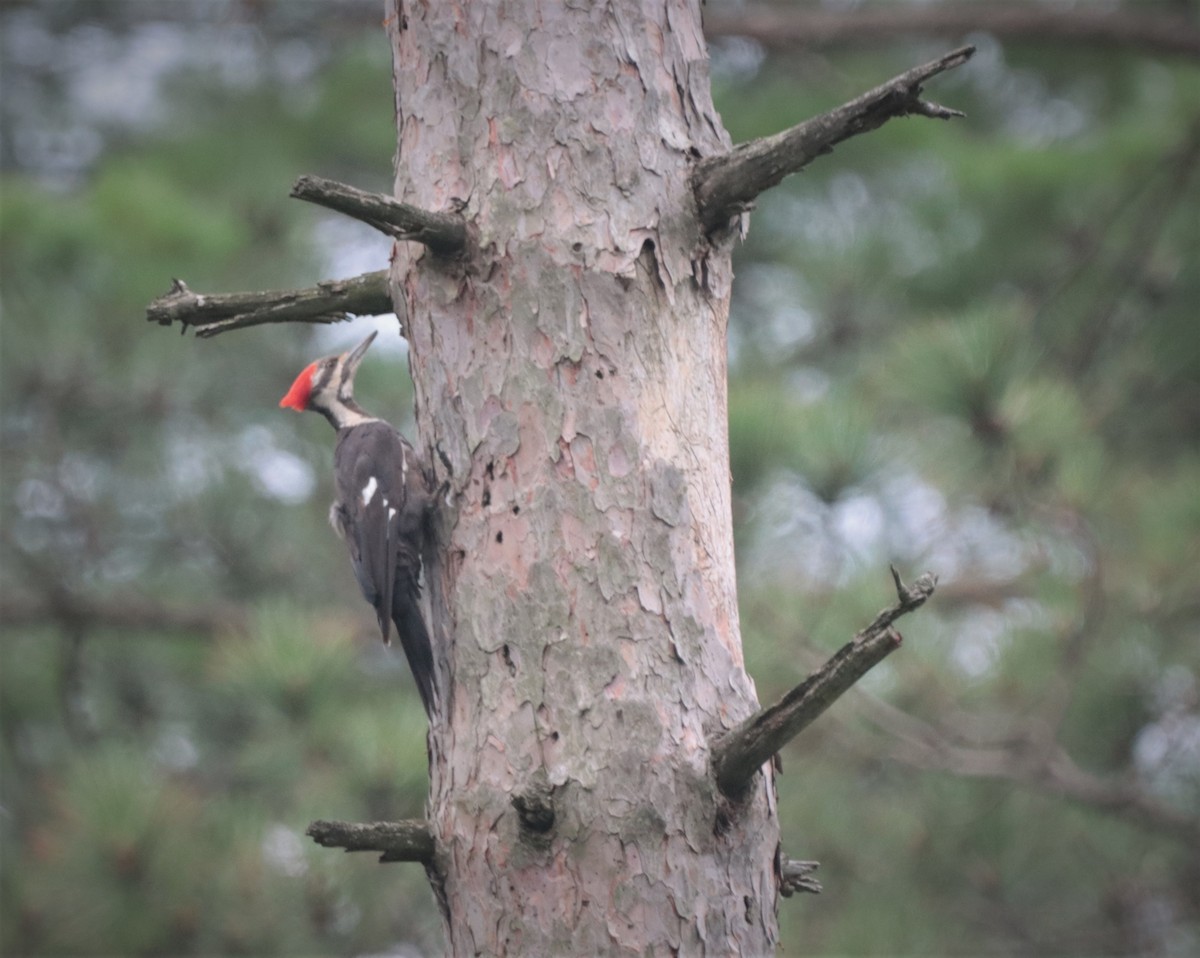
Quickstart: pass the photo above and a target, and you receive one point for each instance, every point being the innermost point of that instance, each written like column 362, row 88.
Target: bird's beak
column 355, row 357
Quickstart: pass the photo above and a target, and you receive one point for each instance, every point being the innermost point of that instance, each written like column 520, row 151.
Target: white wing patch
column 368, row 492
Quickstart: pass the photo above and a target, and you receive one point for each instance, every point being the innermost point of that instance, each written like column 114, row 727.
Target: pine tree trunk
column 571, row 370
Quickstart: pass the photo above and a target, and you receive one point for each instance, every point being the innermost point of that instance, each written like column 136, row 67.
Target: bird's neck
column 345, row 414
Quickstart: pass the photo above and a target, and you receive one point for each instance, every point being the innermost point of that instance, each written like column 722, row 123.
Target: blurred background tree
column 970, row 349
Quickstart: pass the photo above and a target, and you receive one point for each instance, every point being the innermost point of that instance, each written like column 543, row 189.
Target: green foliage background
column 970, row 348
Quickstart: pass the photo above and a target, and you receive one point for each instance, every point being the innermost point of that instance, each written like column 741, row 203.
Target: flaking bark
column 572, row 369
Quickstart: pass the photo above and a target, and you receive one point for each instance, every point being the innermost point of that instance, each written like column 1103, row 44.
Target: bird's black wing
column 379, row 511
column 368, row 467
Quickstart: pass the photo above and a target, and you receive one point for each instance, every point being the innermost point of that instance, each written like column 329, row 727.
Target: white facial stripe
column 391, row 514
column 368, row 492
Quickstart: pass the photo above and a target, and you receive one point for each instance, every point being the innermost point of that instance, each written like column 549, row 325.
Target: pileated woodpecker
column 383, row 497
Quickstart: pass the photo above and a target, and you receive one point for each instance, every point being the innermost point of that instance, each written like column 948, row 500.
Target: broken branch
column 796, row 876
column 406, row 841
column 726, row 185
column 739, row 755
column 441, row 232
column 331, row 301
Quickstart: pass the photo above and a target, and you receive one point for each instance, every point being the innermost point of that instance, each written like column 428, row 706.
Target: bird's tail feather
column 414, row 639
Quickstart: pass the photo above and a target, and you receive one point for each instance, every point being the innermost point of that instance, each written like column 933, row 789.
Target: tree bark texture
column 570, row 372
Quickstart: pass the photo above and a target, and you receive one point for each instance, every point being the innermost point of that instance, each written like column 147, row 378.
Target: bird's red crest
column 297, row 397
